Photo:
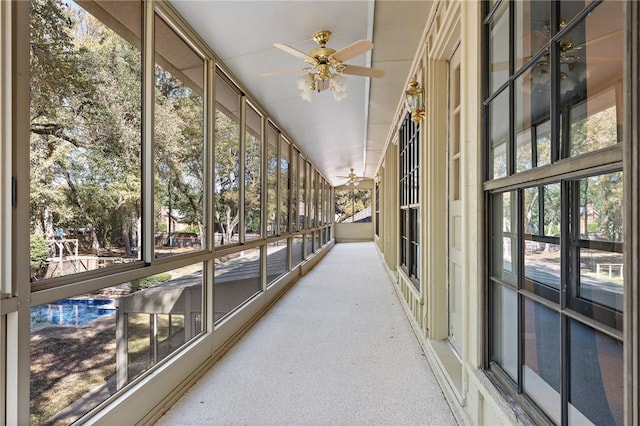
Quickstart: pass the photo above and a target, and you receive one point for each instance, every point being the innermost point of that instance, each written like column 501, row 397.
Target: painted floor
column 336, row 349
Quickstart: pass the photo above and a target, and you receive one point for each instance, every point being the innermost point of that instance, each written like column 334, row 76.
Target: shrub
column 39, row 252
column 147, row 282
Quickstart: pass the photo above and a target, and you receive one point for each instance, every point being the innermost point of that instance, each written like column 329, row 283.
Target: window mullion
column 241, row 167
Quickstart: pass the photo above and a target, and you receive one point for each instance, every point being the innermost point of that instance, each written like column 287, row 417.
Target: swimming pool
column 70, row 312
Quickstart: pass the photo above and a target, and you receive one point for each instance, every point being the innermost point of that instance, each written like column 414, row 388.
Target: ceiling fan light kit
column 327, row 67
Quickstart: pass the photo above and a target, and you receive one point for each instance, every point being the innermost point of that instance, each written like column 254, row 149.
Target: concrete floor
column 337, row 349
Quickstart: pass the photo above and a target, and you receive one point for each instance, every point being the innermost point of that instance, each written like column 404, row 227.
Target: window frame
column 409, row 189
column 565, row 170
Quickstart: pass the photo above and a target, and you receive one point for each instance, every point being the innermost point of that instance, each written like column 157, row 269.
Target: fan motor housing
column 322, row 53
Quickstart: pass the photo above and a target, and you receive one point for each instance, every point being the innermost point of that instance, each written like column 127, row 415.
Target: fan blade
column 272, row 73
column 295, row 52
column 354, row 49
column 538, row 41
column 600, row 38
column 362, row 71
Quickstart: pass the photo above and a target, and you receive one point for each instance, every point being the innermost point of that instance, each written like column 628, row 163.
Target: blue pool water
column 70, row 312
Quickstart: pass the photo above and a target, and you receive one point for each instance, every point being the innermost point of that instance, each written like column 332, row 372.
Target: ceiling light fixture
column 326, row 66
column 326, row 73
column 311, row 82
column 352, row 178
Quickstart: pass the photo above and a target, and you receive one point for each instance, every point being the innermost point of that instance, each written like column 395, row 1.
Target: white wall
column 352, row 232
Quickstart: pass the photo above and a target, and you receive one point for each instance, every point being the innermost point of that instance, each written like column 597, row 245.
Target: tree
column 252, row 183
column 349, row 202
column 227, row 175
column 85, row 126
column 179, row 149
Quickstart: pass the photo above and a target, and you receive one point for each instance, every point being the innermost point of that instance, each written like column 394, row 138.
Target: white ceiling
column 333, row 135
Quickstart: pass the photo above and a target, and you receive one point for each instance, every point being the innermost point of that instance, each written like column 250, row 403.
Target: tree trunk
column 200, row 232
column 231, row 223
column 95, row 244
column 48, row 223
column 126, row 230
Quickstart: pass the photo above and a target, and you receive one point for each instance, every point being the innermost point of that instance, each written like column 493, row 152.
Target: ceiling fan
column 326, row 66
column 352, row 178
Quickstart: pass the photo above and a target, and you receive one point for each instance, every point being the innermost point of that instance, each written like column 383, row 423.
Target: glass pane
column 541, row 218
column 541, row 353
column 178, row 143
column 293, row 185
column 272, row 181
column 237, row 279
column 505, row 329
column 499, row 49
column 404, row 237
column 312, row 196
column 296, row 251
column 596, row 388
column 76, row 339
column 531, row 29
column 569, row 10
column 308, row 238
column 591, row 58
column 499, row 138
column 253, row 175
column 329, row 205
column 600, row 224
column 302, row 165
column 543, row 144
column 227, row 163
column 504, row 241
column 320, row 217
column 85, row 166
column 532, row 104
column 414, row 217
column 277, row 258
column 284, row 186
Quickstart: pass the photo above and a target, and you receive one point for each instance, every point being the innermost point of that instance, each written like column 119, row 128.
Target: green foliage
column 349, row 202
column 190, row 229
column 147, row 282
column 85, row 126
column 38, row 252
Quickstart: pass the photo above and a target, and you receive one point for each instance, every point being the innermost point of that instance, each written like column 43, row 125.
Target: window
column 272, row 181
column 120, row 204
column 409, row 141
column 252, row 188
column 311, row 209
column 85, row 139
column 555, row 206
column 238, row 279
column 284, row 186
column 353, row 205
column 302, row 193
column 86, row 215
column 178, row 144
column 277, row 260
column 320, row 201
column 293, row 185
column 377, row 210
column 227, row 162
